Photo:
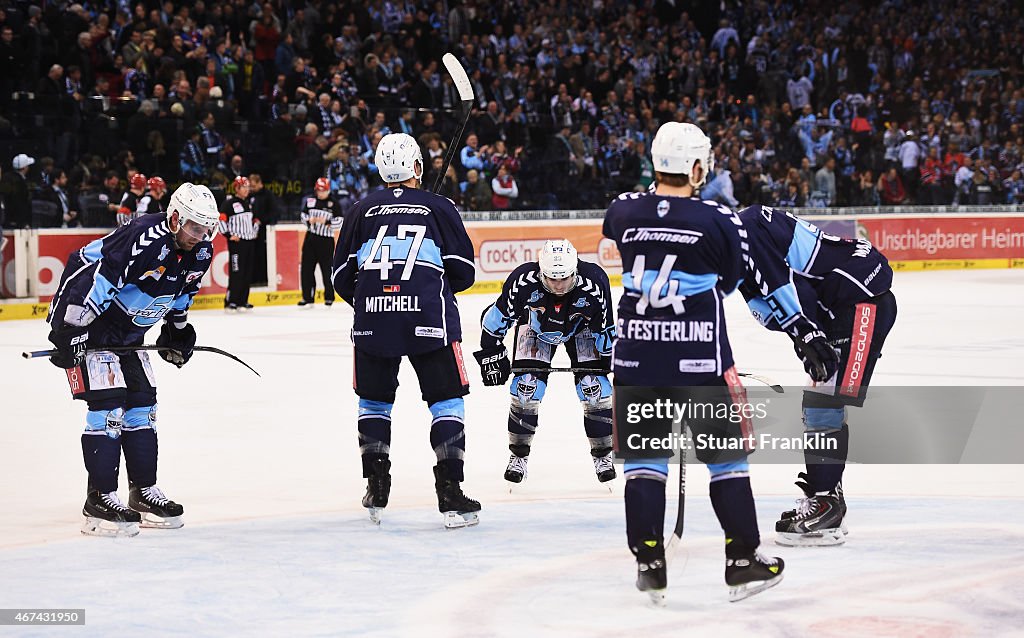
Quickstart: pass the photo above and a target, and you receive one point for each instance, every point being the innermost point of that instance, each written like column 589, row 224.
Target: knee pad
column 595, row 391
column 108, row 422
column 375, row 409
column 824, row 419
column 656, row 470
column 734, row 469
column 454, row 409
column 527, row 391
column 139, row 418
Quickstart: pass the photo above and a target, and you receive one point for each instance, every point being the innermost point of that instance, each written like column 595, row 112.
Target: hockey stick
column 677, row 533
column 765, row 380
column 35, row 354
column 539, row 370
column 465, row 90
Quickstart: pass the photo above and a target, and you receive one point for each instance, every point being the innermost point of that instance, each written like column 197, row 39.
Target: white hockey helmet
column 678, row 146
column 558, row 262
column 195, row 203
column 397, row 157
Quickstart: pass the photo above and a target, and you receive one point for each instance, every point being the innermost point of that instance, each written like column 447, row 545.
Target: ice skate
column 516, row 470
column 106, row 515
column 378, row 489
column 459, row 510
column 155, row 509
column 651, row 571
column 817, row 520
column 604, row 468
column 749, row 573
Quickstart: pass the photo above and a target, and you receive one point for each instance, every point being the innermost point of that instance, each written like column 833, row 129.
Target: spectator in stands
column 476, row 192
column 16, row 191
column 825, row 181
column 65, row 198
column 505, row 189
column 866, row 193
column 890, row 188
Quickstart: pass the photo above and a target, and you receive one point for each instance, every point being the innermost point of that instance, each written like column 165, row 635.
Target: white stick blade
column 459, row 76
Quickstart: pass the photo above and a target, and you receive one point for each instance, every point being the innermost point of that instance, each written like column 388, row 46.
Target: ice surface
column 276, row 542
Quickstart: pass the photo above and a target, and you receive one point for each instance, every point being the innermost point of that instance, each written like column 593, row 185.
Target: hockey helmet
column 322, row 185
column 677, row 146
column 137, row 182
column 157, row 185
column 558, row 262
column 398, row 158
column 197, row 212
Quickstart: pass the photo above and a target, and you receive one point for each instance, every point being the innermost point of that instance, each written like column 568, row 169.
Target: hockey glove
column 181, row 339
column 820, row 359
column 495, row 367
column 71, row 343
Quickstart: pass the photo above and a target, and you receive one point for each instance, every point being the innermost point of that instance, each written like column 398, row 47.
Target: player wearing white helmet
column 111, row 293
column 680, row 257
column 403, row 255
column 556, row 300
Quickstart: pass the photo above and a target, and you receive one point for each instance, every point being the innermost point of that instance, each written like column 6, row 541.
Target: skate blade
column 152, row 521
column 844, row 528
column 455, row 520
column 822, row 538
column 376, row 513
column 746, row 590
column 656, row 597
column 109, row 529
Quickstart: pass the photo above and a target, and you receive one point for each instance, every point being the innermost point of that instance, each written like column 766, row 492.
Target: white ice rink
column 276, row 543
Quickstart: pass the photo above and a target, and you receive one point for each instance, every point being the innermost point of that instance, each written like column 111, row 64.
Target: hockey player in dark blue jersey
column 401, row 259
column 831, row 296
column 556, row 300
column 680, row 257
column 111, row 293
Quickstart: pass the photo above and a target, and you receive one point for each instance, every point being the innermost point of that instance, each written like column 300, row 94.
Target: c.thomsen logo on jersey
column 669, row 235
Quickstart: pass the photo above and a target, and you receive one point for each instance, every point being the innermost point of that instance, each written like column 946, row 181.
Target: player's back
column 402, row 256
column 840, row 271
column 680, row 257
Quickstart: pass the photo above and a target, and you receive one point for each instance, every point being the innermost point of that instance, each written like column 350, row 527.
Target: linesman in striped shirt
column 239, row 226
column 322, row 216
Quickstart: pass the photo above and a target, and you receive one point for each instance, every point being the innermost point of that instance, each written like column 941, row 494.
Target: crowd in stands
column 814, row 103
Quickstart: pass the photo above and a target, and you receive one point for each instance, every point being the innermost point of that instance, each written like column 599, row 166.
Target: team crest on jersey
column 663, row 207
column 310, row 202
column 192, row 276
column 204, row 253
column 534, row 297
column 156, row 273
column 581, row 303
column 397, row 193
column 239, row 207
column 164, row 251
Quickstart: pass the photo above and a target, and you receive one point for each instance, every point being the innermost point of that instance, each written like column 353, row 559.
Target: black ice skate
column 157, row 511
column 459, row 510
column 378, row 488
column 750, row 572
column 516, row 470
column 817, row 520
column 106, row 515
column 651, row 570
column 604, row 468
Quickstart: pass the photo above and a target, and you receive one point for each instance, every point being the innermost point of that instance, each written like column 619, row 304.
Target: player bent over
column 111, row 293
column 680, row 258
column 403, row 256
column 556, row 300
column 831, row 296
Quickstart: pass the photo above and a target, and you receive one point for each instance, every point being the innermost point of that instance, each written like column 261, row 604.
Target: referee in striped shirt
column 239, row 226
column 322, row 216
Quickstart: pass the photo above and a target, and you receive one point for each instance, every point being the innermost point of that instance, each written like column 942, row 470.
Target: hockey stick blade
column 459, row 77
column 35, row 354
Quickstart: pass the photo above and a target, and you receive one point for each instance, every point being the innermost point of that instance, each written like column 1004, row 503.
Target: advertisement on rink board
column 911, row 242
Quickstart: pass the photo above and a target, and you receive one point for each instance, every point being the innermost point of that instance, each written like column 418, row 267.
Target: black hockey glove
column 71, row 343
column 495, row 367
column 181, row 339
column 820, row 359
